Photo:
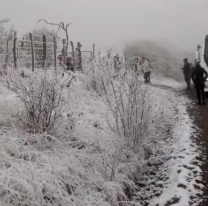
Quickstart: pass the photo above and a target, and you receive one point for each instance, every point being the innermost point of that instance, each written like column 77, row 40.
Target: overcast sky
column 112, row 23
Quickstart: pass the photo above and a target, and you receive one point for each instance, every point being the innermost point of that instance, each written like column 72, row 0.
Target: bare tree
column 62, row 26
column 73, row 52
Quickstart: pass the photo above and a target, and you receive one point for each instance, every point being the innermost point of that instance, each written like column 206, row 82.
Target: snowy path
column 176, row 179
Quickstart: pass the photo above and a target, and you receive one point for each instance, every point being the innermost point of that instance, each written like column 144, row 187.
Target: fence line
column 40, row 49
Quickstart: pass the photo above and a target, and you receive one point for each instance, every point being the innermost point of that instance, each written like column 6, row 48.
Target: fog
column 113, row 23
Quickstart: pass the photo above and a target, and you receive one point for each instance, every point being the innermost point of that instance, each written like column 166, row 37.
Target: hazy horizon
column 113, row 23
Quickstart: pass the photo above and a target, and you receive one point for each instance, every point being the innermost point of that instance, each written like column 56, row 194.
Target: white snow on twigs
column 76, row 168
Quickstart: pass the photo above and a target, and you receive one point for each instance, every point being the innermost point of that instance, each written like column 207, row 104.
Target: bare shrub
column 95, row 72
column 136, row 115
column 130, row 104
column 44, row 95
column 92, row 72
column 137, row 120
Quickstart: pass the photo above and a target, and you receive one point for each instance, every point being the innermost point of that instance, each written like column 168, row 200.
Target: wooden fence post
column 64, row 51
column 7, row 54
column 44, row 51
column 93, row 51
column 79, row 58
column 73, row 53
column 32, row 51
column 55, row 48
column 15, row 50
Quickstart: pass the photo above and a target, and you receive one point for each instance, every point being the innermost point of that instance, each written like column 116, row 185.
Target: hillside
column 88, row 159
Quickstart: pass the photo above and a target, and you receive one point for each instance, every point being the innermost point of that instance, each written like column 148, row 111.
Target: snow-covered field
column 86, row 165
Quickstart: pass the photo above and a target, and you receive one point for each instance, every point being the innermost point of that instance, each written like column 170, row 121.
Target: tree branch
column 5, row 20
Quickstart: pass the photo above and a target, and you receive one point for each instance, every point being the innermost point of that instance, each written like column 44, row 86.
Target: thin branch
column 54, row 24
column 5, row 20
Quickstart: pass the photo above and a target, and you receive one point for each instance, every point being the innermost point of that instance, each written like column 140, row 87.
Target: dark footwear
column 199, row 103
column 204, row 103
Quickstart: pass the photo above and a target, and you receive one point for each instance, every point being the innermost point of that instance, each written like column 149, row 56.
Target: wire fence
column 36, row 51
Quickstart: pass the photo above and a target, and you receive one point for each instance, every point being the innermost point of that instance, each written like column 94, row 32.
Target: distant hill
column 165, row 60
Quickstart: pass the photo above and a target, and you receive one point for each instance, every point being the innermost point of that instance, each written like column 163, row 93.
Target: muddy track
column 200, row 117
column 199, row 114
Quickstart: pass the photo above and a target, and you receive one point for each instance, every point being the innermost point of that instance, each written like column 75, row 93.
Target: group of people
column 198, row 75
column 143, row 66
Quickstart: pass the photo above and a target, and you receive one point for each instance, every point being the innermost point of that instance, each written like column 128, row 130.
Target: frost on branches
column 43, row 94
column 96, row 142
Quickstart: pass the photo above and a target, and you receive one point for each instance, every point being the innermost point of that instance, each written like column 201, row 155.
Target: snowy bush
column 96, row 72
column 134, row 117
column 132, row 108
column 93, row 72
column 51, row 177
column 43, row 95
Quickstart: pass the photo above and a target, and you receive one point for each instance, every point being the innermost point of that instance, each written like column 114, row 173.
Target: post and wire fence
column 40, row 51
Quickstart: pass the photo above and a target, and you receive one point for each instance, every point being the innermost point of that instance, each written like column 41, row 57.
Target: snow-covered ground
column 84, row 168
column 166, row 82
column 176, row 179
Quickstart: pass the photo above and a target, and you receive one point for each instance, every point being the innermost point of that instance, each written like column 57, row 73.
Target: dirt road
column 200, row 115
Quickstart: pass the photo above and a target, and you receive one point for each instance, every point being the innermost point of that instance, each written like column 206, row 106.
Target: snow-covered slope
column 176, row 178
column 84, row 166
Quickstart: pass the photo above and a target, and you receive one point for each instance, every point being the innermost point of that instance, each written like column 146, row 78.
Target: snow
column 181, row 148
column 41, row 163
column 166, row 81
column 180, row 152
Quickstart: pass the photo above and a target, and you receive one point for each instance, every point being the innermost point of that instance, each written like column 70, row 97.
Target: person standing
column 147, row 72
column 199, row 77
column 186, row 72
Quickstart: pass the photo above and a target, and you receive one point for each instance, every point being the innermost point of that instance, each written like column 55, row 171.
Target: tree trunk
column 14, row 50
column 44, row 51
column 73, row 53
column 32, row 50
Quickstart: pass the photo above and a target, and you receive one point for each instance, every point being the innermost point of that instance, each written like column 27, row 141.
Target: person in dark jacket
column 199, row 77
column 146, row 68
column 186, row 72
